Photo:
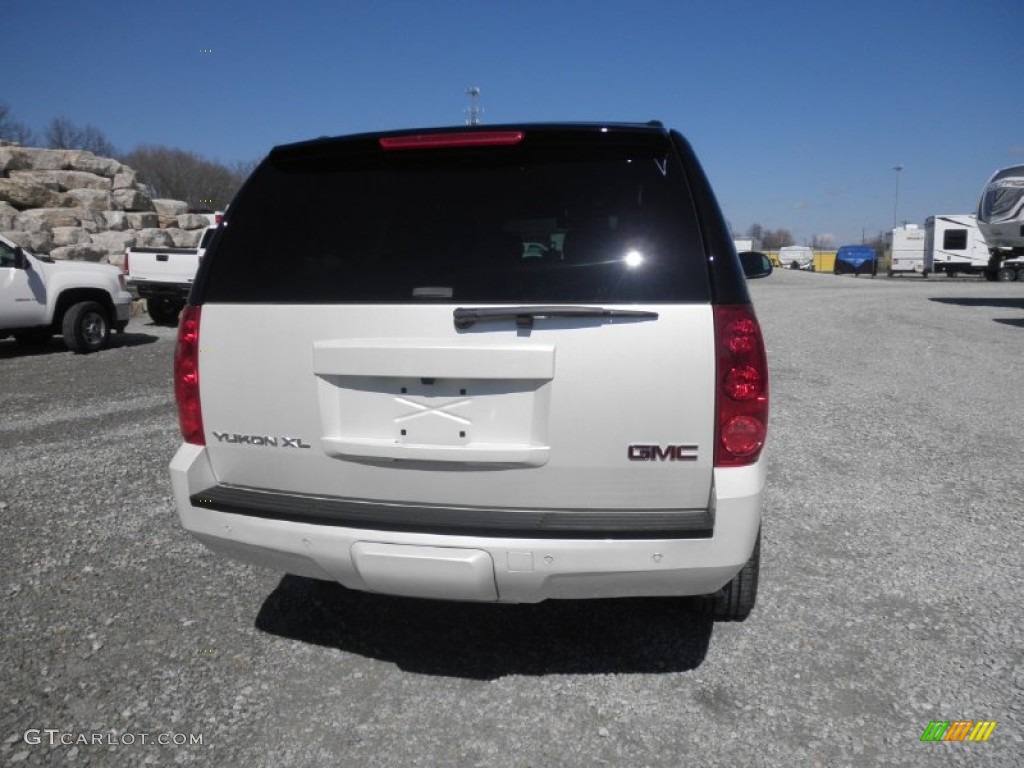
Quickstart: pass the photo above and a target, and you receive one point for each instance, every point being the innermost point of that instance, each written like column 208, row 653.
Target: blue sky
column 798, row 110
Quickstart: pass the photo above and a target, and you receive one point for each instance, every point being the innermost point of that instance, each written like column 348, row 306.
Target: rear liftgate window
column 531, row 223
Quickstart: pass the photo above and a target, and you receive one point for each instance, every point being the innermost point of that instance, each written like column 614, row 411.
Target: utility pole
column 896, row 204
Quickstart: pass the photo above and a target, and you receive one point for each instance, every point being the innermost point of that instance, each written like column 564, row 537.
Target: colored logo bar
column 959, row 730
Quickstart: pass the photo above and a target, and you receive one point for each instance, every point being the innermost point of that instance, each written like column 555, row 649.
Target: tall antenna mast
column 474, row 109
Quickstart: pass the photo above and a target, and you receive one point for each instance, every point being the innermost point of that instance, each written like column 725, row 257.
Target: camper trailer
column 954, row 244
column 906, row 246
column 1001, row 211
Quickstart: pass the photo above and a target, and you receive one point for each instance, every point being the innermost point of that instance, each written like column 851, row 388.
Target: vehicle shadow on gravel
column 10, row 349
column 486, row 641
column 993, row 302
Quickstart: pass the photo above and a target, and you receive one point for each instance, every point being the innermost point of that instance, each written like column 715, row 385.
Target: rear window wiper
column 466, row 317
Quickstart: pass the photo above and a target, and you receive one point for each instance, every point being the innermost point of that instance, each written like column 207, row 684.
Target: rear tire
column 86, row 327
column 735, row 600
column 163, row 311
column 1006, row 275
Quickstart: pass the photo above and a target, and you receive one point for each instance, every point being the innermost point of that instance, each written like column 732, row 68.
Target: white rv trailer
column 953, row 244
column 906, row 248
column 1001, row 211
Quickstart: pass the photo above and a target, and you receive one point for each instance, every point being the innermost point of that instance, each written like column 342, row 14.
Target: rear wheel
column 735, row 600
column 86, row 327
column 163, row 311
column 1006, row 275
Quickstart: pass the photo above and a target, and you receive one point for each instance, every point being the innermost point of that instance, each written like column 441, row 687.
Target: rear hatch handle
column 467, row 317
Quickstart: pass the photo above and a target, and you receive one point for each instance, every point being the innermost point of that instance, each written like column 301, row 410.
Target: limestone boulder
column 114, row 244
column 70, row 236
column 166, row 207
column 38, row 219
column 7, row 215
column 64, row 180
column 13, row 159
column 185, row 238
column 153, row 238
column 79, row 253
column 93, row 221
column 117, row 220
column 24, row 194
column 132, row 199
column 124, row 179
column 37, row 242
column 142, row 220
column 32, row 158
column 80, row 160
column 193, row 221
column 93, row 199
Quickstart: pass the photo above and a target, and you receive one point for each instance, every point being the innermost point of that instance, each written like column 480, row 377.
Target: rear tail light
column 186, row 377
column 124, row 264
column 742, row 386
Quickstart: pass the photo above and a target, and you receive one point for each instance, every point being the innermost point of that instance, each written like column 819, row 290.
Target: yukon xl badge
column 260, row 440
column 642, row 452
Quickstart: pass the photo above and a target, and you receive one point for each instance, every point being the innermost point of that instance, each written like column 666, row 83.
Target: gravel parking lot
column 890, row 592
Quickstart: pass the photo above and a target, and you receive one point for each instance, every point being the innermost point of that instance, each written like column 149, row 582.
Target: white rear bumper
column 482, row 568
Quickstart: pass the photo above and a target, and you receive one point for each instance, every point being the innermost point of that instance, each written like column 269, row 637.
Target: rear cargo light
column 186, row 377
column 439, row 140
column 742, row 375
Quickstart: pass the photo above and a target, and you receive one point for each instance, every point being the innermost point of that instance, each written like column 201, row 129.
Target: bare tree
column 821, row 242
column 182, row 175
column 12, row 130
column 773, row 239
column 64, row 134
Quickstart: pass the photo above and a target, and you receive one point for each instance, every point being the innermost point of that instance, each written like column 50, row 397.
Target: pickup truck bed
column 163, row 277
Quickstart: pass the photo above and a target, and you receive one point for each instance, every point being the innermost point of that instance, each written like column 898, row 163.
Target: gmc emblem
column 662, row 453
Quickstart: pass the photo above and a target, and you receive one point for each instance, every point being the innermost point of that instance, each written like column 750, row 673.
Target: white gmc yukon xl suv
column 383, row 381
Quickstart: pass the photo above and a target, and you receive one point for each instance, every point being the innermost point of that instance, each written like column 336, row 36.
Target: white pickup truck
column 164, row 276
column 40, row 297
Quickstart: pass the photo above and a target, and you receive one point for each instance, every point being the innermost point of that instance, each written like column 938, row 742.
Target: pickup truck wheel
column 735, row 600
column 37, row 337
column 1006, row 274
column 86, row 327
column 163, row 311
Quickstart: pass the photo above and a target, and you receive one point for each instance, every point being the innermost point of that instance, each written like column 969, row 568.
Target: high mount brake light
column 441, row 140
column 742, row 386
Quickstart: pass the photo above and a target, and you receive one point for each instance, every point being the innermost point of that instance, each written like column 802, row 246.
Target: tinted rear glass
column 543, row 222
